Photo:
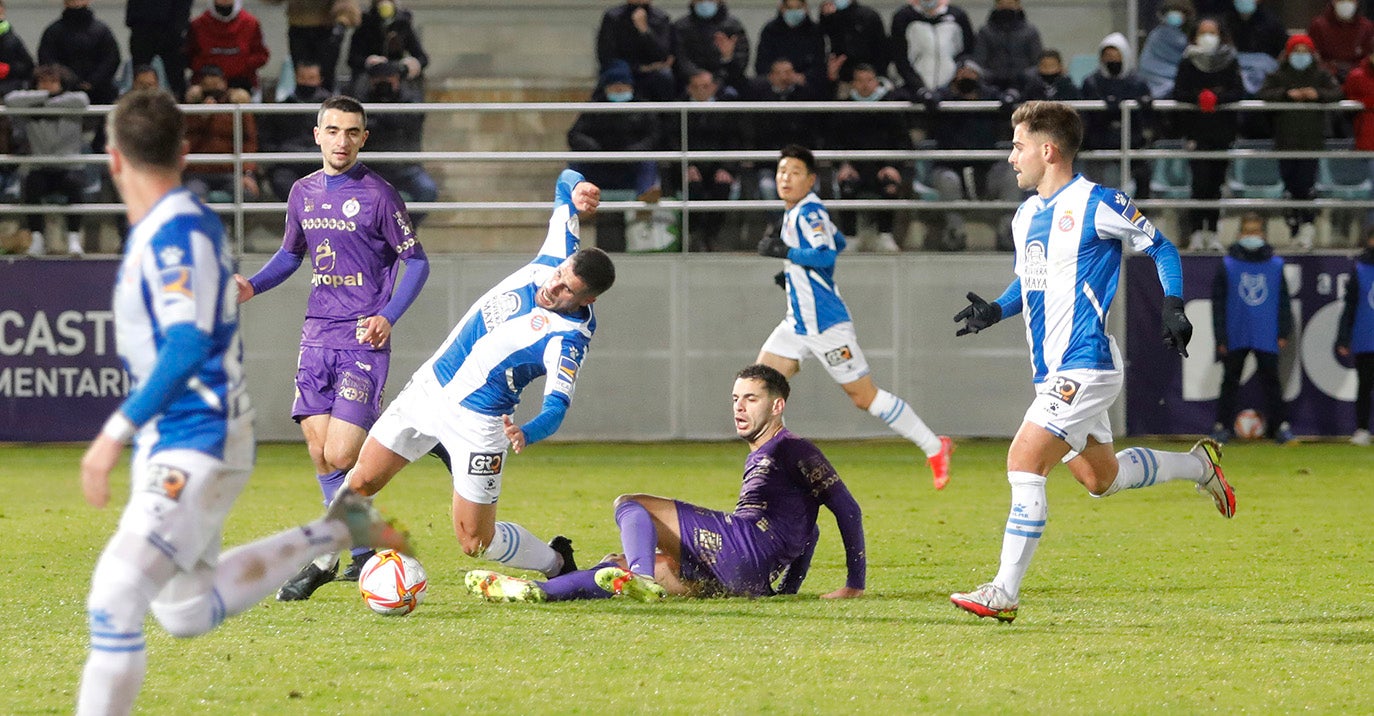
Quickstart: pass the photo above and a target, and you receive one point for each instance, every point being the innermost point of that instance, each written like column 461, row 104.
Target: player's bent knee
column 190, row 617
column 629, row 497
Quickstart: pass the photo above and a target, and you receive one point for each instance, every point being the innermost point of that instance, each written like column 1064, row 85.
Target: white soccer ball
column 1249, row 425
column 393, row 583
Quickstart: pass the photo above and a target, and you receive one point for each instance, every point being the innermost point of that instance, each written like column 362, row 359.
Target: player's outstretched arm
column 272, row 274
column 849, row 519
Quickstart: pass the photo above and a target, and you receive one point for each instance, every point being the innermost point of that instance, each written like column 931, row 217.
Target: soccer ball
column 392, row 583
column 1249, row 425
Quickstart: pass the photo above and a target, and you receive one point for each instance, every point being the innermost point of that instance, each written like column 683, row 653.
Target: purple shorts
column 340, row 383
column 725, row 553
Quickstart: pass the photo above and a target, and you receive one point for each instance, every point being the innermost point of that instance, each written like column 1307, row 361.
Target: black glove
column 773, row 247
column 1177, row 329
column 1009, row 99
column 979, row 314
column 780, row 278
column 927, row 99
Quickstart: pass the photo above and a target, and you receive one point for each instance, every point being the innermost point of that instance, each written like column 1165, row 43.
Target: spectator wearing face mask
column 214, row 134
column 871, row 179
column 1355, row 335
column 856, row 35
column 710, row 38
column 1164, row 46
column 1251, row 314
column 1208, row 76
column 794, row 36
column 1300, row 78
column 1342, row 36
column 386, row 33
column 1007, row 46
column 618, row 132
column 398, row 132
column 1048, row 80
column 294, row 132
column 929, row 37
column 230, row 38
column 1113, row 82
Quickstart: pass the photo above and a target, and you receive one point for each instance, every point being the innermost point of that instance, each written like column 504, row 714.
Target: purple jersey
column 354, row 230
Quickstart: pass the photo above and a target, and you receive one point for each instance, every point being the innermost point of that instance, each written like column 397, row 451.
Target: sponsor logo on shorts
column 1065, row 390
column 354, row 389
column 839, row 355
column 483, row 464
column 166, row 481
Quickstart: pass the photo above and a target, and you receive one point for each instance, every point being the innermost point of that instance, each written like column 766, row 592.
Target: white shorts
column 1073, row 404
column 180, row 498
column 423, row 416
column 837, row 347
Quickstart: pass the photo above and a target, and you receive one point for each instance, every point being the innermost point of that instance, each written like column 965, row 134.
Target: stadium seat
column 1171, row 179
column 1254, row 178
column 1080, row 66
column 1342, row 177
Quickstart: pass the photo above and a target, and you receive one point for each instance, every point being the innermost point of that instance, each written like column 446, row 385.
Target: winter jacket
column 880, row 130
column 1034, row 86
column 1341, row 44
column 158, row 14
column 234, row 44
column 57, row 136
column 927, row 49
column 775, row 129
column 85, row 46
column 214, row 134
column 395, row 40
column 16, row 64
column 1300, row 130
column 618, row 39
column 804, row 45
column 1159, row 59
column 1102, row 129
column 321, row 13
column 857, row 32
column 1215, row 130
column 967, row 130
column 395, row 132
column 709, row 132
column 696, row 48
column 293, row 132
column 1261, row 32
column 1006, row 49
column 1359, row 86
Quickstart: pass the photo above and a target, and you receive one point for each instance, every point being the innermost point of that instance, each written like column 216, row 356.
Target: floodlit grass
column 1147, row 602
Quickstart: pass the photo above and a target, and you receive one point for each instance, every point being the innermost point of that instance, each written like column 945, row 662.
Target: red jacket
column 1359, row 86
column 235, row 46
column 1341, row 45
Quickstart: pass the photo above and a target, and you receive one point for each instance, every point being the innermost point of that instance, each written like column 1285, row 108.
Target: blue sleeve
column 548, row 420
column 1168, row 265
column 1010, row 300
column 562, row 195
column 278, row 269
column 180, row 356
column 820, row 257
column 417, row 270
column 840, row 243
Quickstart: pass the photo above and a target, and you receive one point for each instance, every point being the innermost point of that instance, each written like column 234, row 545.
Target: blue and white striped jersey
column 813, row 300
column 177, row 274
column 1068, row 263
column 506, row 340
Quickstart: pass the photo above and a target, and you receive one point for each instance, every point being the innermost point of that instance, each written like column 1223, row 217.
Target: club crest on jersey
column 1036, row 275
column 166, row 481
column 538, row 322
column 351, row 208
column 483, row 464
column 1066, row 221
column 498, row 308
column 1065, row 390
column 1254, row 289
column 840, row 355
column 325, row 257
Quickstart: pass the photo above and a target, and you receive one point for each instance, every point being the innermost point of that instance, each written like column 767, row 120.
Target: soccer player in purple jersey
column 355, row 228
column 673, row 547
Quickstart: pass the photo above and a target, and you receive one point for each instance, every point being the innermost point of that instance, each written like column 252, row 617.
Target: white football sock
column 904, row 421
column 515, row 546
column 1143, row 467
column 1025, row 525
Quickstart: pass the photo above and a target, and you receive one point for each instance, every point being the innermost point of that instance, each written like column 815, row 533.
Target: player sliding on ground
column 1068, row 240
column 770, row 536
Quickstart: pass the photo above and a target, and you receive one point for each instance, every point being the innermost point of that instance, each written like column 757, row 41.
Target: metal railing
column 238, row 208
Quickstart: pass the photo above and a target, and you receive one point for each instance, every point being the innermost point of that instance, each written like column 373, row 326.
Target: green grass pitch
column 1147, row 602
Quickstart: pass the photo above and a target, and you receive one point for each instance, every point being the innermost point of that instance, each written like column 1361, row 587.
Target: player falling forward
column 772, row 533
column 1068, row 259
column 537, row 321
column 355, row 228
column 176, row 328
column 818, row 322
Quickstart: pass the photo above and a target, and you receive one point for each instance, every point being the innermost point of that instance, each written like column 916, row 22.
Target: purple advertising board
column 59, row 374
column 1170, row 395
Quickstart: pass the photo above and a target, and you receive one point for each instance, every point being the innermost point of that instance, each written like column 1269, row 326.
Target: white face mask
column 1208, row 41
column 1345, row 9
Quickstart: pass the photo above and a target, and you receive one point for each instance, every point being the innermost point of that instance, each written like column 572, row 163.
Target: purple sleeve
column 293, row 237
column 849, row 518
column 417, row 270
column 397, row 227
column 278, row 268
column 796, row 571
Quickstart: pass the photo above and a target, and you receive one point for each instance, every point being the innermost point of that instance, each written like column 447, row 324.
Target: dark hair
column 140, row 69
column 798, row 152
column 594, row 267
column 1223, row 29
column 210, row 71
column 1052, row 53
column 863, row 67
column 1057, row 120
column 147, row 128
column 52, row 70
column 343, row 103
column 772, row 380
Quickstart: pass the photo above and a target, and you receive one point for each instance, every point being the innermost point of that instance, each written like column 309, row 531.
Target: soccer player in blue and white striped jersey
column 537, row 321
column 1068, row 238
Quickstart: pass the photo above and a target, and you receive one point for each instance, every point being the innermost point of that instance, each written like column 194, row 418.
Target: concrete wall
column 674, row 329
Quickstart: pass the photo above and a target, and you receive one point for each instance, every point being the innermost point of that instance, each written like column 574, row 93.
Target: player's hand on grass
column 377, row 331
column 844, row 593
column 245, row 289
column 586, row 196
column 773, row 247
column 979, row 314
column 1178, row 330
column 96, row 464
column 514, row 434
